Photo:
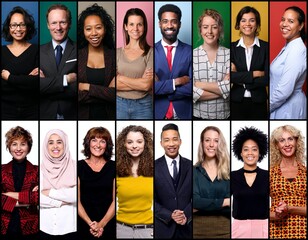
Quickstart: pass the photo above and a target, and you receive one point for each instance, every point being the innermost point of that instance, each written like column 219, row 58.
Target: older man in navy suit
column 173, row 68
column 172, row 189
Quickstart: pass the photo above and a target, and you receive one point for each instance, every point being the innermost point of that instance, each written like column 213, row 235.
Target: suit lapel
column 165, row 172
column 242, row 56
column 255, row 56
column 183, row 172
column 162, row 57
column 51, row 56
column 67, row 52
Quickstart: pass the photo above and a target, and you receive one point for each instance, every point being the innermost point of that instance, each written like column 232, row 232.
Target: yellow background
column 262, row 8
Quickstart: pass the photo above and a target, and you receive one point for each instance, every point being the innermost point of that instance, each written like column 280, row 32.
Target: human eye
column 164, row 21
column 13, row 25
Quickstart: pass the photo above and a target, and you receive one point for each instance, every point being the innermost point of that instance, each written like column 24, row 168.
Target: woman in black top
column 249, row 185
column 19, row 67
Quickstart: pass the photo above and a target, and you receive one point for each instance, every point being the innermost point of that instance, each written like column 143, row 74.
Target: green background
column 223, row 8
column 44, row 31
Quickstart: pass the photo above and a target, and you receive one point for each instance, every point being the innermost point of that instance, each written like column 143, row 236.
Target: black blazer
column 167, row 199
column 52, row 91
column 259, row 61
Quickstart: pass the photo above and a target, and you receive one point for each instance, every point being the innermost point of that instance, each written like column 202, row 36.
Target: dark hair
column 143, row 41
column 107, row 21
column 98, row 132
column 301, row 19
column 61, row 7
column 250, row 133
column 245, row 10
column 170, row 8
column 124, row 163
column 170, row 126
column 18, row 133
column 29, row 21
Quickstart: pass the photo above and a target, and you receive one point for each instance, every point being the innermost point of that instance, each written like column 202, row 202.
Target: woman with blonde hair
column 211, row 65
column 211, row 186
column 288, row 184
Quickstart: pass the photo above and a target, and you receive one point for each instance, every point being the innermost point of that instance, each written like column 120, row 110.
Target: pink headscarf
column 58, row 172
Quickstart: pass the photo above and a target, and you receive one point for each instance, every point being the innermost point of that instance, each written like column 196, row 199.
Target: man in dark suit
column 58, row 67
column 173, row 68
column 172, row 189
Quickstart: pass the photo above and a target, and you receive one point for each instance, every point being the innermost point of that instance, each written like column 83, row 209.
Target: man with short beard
column 173, row 68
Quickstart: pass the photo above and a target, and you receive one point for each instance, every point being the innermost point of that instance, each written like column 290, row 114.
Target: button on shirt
column 248, row 55
column 170, row 164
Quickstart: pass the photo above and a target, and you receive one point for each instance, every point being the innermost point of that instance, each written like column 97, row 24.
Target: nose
column 210, row 31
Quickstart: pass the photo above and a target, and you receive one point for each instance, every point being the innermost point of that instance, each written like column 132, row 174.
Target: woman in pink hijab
column 58, row 188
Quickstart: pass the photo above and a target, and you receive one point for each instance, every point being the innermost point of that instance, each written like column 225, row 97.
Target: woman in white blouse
column 288, row 70
column 211, row 66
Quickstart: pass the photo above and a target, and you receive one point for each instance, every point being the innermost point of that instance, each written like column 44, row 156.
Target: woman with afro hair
column 134, row 153
column 249, row 185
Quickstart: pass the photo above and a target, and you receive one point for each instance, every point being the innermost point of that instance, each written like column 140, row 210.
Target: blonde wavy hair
column 222, row 154
column 275, row 154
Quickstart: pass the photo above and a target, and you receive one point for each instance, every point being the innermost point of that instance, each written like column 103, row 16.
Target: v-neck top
column 250, row 202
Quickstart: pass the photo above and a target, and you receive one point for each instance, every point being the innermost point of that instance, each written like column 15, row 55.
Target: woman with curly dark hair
column 134, row 151
column 19, row 67
column 250, row 185
column 96, row 187
column 96, row 64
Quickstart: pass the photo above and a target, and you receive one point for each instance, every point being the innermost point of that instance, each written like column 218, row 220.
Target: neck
column 133, row 44
column 21, row 43
column 169, row 42
column 248, row 40
column 210, row 162
column 96, row 160
column 99, row 49
column 288, row 161
column 250, row 168
column 209, row 48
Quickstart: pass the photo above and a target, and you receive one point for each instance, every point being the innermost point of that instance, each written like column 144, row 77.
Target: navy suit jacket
column 52, row 91
column 167, row 199
column 181, row 97
column 259, row 61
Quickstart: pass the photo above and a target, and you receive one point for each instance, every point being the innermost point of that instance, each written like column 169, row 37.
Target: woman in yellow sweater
column 134, row 153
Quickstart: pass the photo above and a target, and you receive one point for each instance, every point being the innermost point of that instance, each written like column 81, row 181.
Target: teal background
column 44, row 32
column 223, row 8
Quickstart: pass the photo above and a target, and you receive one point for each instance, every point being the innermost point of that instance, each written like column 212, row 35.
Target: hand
column 256, row 74
column 112, row 83
column 35, row 189
column 95, row 229
column 34, row 72
column 14, row 195
column 281, row 211
column 84, row 86
column 71, row 77
column 227, row 77
column 179, row 217
column 233, row 67
column 156, row 78
column 42, row 75
column 5, row 74
column 181, row 80
column 46, row 192
column 198, row 84
column 148, row 73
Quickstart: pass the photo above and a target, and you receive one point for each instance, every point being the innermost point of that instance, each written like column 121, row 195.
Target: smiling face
column 210, row 31
column 287, row 145
column 210, row 143
column 289, row 25
column 55, row 146
column 19, row 149
column 171, row 142
column 134, row 144
column 169, row 27
column 18, row 28
column 134, row 27
column 250, row 153
column 248, row 24
column 97, row 146
column 58, row 25
column 94, row 30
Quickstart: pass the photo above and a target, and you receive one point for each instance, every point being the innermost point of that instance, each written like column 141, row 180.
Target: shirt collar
column 169, row 160
column 241, row 43
column 175, row 44
column 62, row 44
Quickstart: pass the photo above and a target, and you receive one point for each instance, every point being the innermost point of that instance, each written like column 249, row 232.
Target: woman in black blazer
column 249, row 68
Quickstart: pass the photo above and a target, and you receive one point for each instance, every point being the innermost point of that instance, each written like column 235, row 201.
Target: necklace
column 250, row 171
